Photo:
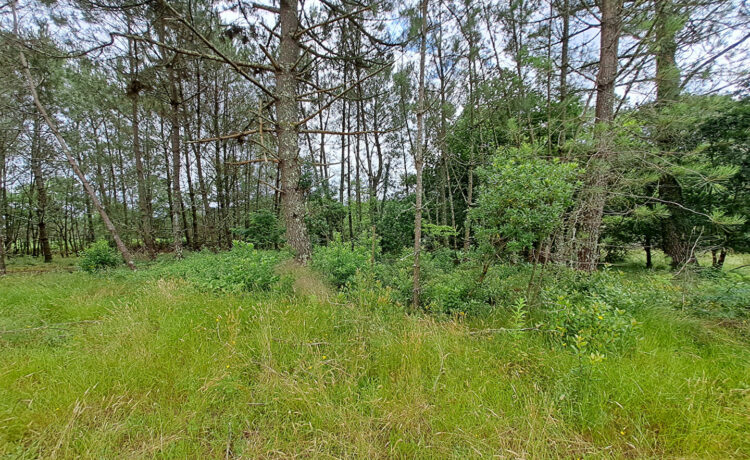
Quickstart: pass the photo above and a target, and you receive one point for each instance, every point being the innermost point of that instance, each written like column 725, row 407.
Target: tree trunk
column 143, row 207
column 722, row 258
column 597, row 180
column 53, row 127
column 2, row 211
column 676, row 229
column 292, row 198
column 41, row 192
column 419, row 159
column 209, row 228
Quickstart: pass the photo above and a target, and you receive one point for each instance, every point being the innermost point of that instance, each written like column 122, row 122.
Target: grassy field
column 143, row 365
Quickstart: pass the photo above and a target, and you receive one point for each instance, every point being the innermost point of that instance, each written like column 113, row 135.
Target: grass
column 141, row 366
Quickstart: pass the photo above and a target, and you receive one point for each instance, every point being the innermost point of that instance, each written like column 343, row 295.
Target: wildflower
column 324, row 356
column 600, row 317
column 227, row 366
column 622, row 433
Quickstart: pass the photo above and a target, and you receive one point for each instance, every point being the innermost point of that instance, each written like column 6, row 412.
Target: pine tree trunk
column 143, row 207
column 41, row 193
column 676, row 229
column 208, row 226
column 2, row 212
column 292, row 199
column 597, row 180
column 419, row 160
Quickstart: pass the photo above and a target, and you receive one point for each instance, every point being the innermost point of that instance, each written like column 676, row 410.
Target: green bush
column 455, row 292
column 99, row 256
column 511, row 214
column 339, row 263
column 263, row 230
column 590, row 326
column 243, row 268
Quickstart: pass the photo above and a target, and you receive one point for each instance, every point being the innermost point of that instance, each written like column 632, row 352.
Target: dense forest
column 374, row 229
column 566, row 132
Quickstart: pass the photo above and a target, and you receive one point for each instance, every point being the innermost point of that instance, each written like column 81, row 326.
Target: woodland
column 374, row 229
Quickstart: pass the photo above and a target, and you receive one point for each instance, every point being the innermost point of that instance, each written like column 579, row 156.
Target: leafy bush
column 591, row 326
column 455, row 292
column 339, row 263
column 243, row 268
column 521, row 199
column 396, row 225
column 263, row 230
column 99, row 256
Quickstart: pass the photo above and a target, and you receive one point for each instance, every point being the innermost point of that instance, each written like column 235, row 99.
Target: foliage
column 726, row 297
column 454, row 292
column 136, row 364
column 99, row 256
column 396, row 225
column 395, row 271
column 244, row 268
column 592, row 327
column 263, row 230
column 325, row 217
column 436, row 236
column 521, row 199
column 339, row 262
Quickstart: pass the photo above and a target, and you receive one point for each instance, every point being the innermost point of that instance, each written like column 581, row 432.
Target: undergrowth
column 196, row 359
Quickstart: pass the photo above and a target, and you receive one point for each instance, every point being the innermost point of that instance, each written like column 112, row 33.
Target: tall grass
column 126, row 365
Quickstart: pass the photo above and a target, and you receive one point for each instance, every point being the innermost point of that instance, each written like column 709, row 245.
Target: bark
column 472, row 104
column 722, row 258
column 174, row 137
column 218, row 168
column 209, row 237
column 143, row 206
column 2, row 211
column 565, row 47
column 41, row 193
column 597, row 180
column 419, row 158
column 292, row 198
column 69, row 156
column 676, row 229
column 191, row 195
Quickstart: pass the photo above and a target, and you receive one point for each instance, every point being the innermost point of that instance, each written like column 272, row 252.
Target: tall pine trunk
column 143, row 206
column 419, row 158
column 41, row 192
column 292, row 199
column 597, row 180
column 676, row 229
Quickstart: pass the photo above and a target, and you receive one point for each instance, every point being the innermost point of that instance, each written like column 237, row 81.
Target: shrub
column 339, row 263
column 454, row 292
column 590, row 326
column 263, row 230
column 511, row 214
column 244, row 268
column 99, row 256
